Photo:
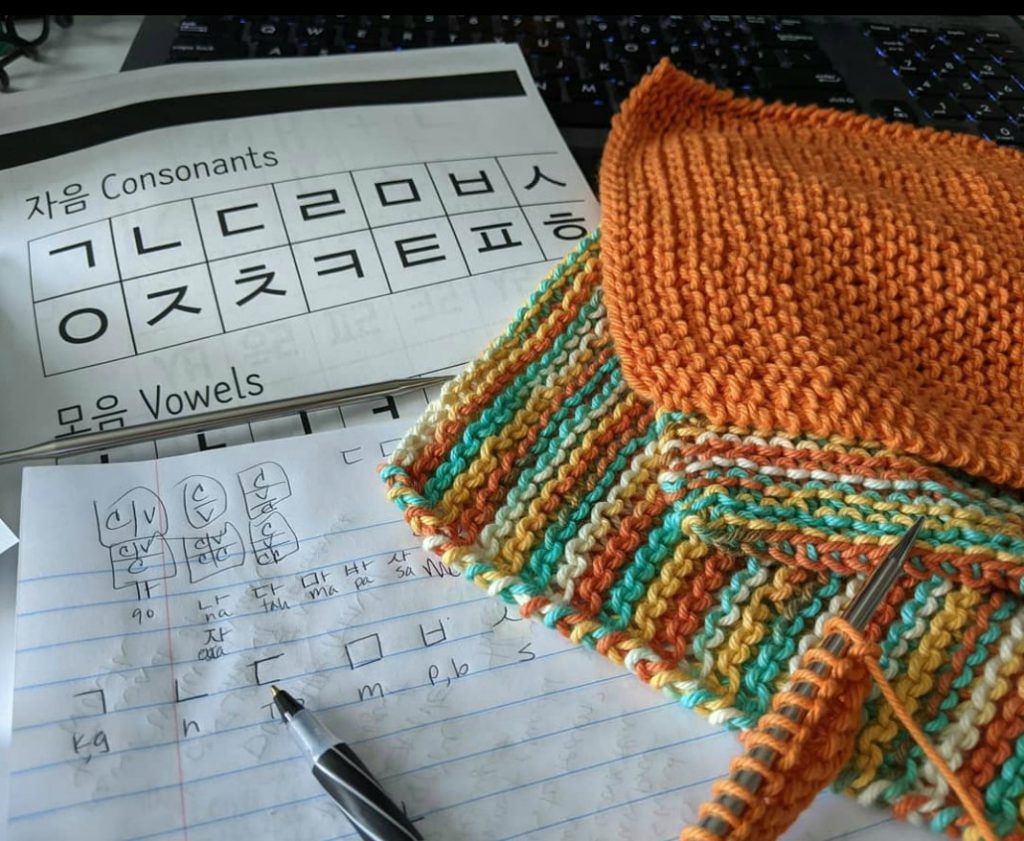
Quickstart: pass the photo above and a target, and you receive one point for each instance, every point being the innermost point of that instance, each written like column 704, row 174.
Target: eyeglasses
column 14, row 43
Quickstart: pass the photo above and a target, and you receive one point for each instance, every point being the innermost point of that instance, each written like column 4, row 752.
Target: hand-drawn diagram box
column 141, row 561
column 364, row 651
column 264, row 487
column 213, row 551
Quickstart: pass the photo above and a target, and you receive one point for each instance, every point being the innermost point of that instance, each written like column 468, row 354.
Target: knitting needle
column 213, row 420
column 857, row 613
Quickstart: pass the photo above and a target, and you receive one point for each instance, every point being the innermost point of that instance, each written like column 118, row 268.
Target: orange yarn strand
column 816, row 747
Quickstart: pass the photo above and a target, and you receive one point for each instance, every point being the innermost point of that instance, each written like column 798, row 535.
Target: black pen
column 344, row 777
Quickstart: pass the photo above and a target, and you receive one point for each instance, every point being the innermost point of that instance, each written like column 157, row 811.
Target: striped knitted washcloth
column 669, row 458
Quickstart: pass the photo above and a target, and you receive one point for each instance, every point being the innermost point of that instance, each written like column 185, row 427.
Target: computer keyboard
column 966, row 79
column 956, row 75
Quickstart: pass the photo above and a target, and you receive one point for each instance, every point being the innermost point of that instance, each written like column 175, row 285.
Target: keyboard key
column 585, row 116
column 739, row 79
column 957, row 36
column 791, row 25
column 588, row 92
column 1007, row 53
column 968, row 52
column 986, row 111
column 813, row 59
column 892, row 109
column 824, row 99
column 474, row 24
column 958, row 126
column 909, row 65
column 787, row 39
column 758, row 57
column 192, row 49
column 634, row 71
column 549, row 89
column 967, row 89
column 1001, row 132
column 919, row 35
column 198, row 27
column 988, row 69
column 550, row 65
column 594, row 47
column 314, row 34
column 541, row 44
column 679, row 54
column 799, row 78
column 949, row 69
column 894, row 48
column 880, row 31
column 942, row 109
column 408, row 39
column 993, row 37
column 597, row 69
column 633, row 29
column 361, row 39
column 271, row 50
column 923, row 84
column 1005, row 90
column 269, row 31
column 937, row 51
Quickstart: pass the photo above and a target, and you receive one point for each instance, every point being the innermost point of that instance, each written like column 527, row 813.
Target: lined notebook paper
column 157, row 602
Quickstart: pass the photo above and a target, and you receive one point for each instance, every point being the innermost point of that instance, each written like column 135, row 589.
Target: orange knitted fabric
column 810, row 271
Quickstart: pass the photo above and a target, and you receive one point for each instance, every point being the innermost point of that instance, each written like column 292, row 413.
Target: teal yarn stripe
column 502, row 410
column 776, row 650
column 558, row 429
column 540, row 567
column 519, row 325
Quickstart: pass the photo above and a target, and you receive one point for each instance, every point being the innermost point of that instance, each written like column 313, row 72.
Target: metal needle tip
column 880, row 581
column 274, row 690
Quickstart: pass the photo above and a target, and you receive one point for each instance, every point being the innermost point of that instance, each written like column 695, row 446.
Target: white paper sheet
column 222, row 262
column 158, row 600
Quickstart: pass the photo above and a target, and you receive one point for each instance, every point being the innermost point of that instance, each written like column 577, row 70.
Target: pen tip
column 274, row 690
